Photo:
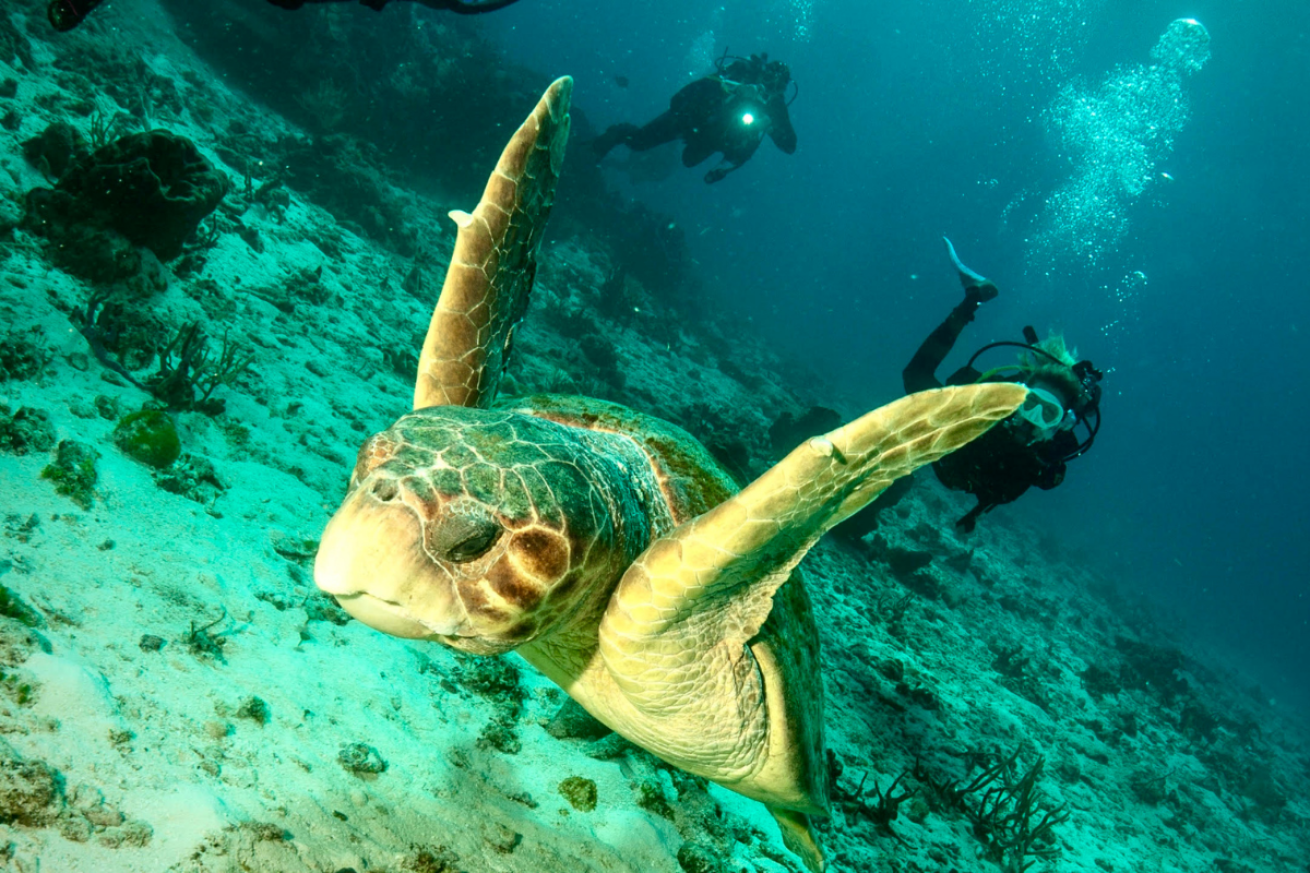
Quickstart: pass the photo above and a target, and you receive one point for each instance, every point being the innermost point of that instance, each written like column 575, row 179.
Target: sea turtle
column 605, row 546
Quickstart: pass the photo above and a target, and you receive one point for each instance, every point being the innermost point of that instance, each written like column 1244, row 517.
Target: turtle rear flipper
column 492, row 268
column 798, row 836
column 706, row 683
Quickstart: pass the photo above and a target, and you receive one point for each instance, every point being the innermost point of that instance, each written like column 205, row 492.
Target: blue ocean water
column 175, row 688
column 917, row 120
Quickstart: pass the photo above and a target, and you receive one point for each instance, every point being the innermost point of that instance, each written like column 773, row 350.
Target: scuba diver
column 1033, row 445
column 67, row 14
column 729, row 112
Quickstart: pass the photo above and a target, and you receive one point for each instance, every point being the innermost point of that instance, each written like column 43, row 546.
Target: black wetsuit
column 1000, row 465
column 708, row 116
column 460, row 7
column 68, row 14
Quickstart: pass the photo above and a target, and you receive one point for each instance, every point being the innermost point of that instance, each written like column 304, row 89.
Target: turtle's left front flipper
column 494, row 263
column 682, row 635
column 730, row 560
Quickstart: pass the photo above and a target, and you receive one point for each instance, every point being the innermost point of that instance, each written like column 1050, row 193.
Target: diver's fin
column 968, row 278
column 798, row 836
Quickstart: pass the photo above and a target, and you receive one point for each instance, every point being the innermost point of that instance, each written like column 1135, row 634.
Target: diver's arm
column 780, row 129
column 731, row 162
column 720, row 172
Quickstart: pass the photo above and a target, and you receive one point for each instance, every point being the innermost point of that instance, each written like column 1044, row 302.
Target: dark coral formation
column 148, row 189
column 189, row 374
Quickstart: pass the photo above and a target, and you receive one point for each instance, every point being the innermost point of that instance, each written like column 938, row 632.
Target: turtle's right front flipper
column 494, row 263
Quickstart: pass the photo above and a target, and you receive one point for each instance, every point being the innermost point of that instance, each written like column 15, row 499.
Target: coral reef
column 54, row 150
column 211, row 678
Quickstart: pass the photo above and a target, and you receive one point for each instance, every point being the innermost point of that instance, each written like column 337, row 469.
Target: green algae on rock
column 580, row 792
column 74, row 472
column 149, row 436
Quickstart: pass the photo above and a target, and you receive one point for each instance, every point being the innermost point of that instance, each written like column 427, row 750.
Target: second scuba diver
column 1033, row 445
column 729, row 112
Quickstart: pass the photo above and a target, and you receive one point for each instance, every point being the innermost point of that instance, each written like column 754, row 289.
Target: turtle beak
column 382, row 616
column 371, row 559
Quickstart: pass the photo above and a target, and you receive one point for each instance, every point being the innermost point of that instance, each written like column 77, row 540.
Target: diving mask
column 1043, row 410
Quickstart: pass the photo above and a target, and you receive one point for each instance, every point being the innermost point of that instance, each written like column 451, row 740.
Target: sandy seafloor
column 115, row 756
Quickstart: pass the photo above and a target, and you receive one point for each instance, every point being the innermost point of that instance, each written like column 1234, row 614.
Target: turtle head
column 482, row 530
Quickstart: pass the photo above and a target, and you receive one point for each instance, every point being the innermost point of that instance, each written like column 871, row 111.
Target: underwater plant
column 188, row 374
column 202, row 643
column 1010, row 817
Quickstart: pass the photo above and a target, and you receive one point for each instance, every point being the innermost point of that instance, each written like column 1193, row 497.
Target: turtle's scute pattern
column 567, row 514
column 494, row 264
column 690, row 479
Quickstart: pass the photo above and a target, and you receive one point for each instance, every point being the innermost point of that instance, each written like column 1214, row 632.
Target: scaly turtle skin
column 606, row 546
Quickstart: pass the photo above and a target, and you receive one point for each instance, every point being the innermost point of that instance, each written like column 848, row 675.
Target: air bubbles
column 1185, row 46
column 1115, row 136
column 1044, row 37
column 802, row 18
column 700, row 55
column 1126, row 294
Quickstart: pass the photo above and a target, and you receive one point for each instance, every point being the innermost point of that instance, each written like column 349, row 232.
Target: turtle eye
column 475, row 546
column 463, row 538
